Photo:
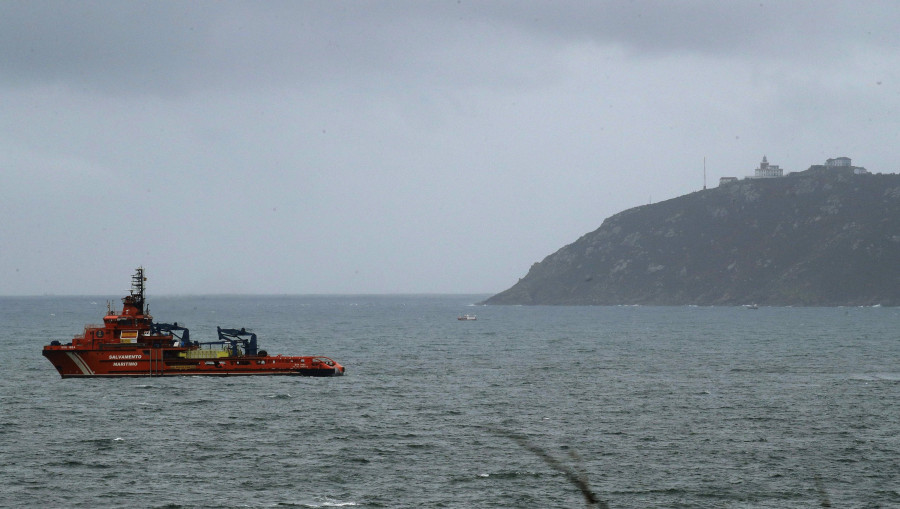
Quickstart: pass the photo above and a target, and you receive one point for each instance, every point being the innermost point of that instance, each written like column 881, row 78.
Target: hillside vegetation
column 823, row 237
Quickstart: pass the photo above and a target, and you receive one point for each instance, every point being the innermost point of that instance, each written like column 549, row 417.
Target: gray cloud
column 400, row 146
column 167, row 47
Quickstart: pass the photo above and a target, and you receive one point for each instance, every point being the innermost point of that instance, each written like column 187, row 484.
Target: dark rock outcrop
column 823, row 237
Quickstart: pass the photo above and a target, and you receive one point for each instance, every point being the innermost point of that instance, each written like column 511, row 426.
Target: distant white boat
column 751, row 306
column 467, row 317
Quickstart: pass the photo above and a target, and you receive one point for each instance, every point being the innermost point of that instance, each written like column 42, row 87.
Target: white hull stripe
column 85, row 369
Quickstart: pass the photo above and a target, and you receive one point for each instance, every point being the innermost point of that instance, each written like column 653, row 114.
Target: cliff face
column 816, row 238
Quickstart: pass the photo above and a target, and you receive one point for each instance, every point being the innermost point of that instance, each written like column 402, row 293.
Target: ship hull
column 147, row 362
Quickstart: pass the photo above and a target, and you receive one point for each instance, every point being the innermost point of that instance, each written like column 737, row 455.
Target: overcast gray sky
column 401, row 147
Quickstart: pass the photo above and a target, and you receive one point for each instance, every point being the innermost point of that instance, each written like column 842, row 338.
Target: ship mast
column 136, row 299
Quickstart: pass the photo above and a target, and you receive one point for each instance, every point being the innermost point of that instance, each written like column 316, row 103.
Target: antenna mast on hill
column 704, row 173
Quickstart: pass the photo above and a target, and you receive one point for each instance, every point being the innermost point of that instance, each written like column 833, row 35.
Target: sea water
column 648, row 406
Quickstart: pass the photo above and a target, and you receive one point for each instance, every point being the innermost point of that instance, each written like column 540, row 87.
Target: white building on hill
column 838, row 162
column 767, row 170
column 844, row 162
column 727, row 180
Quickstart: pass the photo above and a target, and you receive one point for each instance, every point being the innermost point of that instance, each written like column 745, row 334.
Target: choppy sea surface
column 651, row 406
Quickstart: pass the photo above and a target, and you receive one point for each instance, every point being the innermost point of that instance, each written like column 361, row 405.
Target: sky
column 345, row 147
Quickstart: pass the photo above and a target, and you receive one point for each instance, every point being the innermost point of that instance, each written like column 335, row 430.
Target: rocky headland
column 821, row 237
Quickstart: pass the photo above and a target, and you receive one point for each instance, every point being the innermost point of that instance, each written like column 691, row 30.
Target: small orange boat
column 131, row 344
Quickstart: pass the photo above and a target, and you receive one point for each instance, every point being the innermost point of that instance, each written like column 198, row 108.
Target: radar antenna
column 137, row 283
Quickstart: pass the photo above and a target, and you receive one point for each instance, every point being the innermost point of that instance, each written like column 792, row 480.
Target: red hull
column 131, row 344
column 72, row 362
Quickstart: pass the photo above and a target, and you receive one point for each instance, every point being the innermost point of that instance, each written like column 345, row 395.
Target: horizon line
column 367, row 294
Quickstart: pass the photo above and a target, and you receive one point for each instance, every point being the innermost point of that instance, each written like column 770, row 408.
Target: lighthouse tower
column 767, row 170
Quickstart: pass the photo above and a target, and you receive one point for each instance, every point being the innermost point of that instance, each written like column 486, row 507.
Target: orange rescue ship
column 131, row 344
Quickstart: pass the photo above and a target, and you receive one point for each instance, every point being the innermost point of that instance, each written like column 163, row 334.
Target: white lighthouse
column 767, row 170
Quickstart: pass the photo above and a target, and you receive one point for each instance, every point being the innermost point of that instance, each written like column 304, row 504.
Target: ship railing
column 87, row 328
column 206, row 353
